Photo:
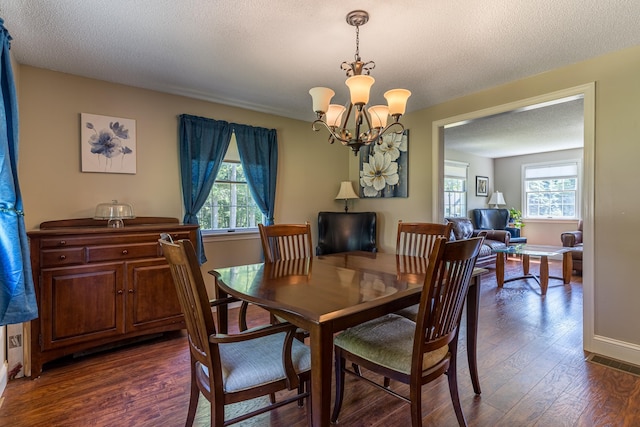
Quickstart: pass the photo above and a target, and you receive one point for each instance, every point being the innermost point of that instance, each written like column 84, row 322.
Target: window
column 230, row 205
column 455, row 189
column 551, row 190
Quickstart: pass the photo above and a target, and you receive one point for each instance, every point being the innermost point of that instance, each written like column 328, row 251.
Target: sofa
column 462, row 228
column 573, row 240
column 496, row 219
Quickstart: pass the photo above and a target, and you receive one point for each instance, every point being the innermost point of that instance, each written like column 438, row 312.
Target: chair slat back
column 417, row 238
column 285, row 241
column 445, row 289
column 193, row 297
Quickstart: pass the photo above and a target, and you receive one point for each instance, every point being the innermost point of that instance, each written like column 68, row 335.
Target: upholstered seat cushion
column 410, row 313
column 264, row 364
column 387, row 341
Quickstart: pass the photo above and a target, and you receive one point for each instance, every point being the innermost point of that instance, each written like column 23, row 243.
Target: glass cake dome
column 115, row 212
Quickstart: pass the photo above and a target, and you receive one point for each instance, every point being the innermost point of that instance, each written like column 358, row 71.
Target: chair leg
column 242, row 316
column 452, row 377
column 339, row 368
column 301, row 388
column 194, row 394
column 416, row 405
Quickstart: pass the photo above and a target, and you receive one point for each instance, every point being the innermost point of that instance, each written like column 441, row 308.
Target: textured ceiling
column 265, row 55
column 523, row 131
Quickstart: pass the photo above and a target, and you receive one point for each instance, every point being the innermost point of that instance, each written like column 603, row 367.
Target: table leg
column 525, row 264
column 321, row 340
column 222, row 313
column 473, row 303
column 544, row 274
column 567, row 267
column 500, row 269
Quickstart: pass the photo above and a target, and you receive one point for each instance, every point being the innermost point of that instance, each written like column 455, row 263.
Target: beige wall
column 309, row 169
column 617, row 152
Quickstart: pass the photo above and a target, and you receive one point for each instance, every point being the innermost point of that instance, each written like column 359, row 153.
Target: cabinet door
column 152, row 301
column 80, row 304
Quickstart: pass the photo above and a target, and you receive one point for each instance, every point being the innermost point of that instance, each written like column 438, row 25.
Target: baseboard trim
column 615, row 349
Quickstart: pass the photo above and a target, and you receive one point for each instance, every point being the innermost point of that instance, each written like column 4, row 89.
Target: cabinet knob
column 125, row 252
column 120, row 291
column 63, row 257
column 131, row 291
column 63, row 242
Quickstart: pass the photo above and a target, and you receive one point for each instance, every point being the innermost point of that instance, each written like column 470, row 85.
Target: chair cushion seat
column 251, row 363
column 387, row 341
column 410, row 313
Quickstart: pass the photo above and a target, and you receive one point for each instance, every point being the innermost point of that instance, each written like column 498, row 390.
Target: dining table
column 327, row 294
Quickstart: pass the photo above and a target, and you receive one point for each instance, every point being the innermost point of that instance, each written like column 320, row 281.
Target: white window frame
column 529, row 169
column 231, row 156
column 457, row 170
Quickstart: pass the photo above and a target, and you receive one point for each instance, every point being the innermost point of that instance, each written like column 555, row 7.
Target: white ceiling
column 265, row 55
column 533, row 129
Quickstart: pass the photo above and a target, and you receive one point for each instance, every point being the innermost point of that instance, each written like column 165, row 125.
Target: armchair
column 496, row 219
column 462, row 228
column 573, row 240
column 344, row 232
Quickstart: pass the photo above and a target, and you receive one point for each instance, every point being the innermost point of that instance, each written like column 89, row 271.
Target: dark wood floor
column 532, row 370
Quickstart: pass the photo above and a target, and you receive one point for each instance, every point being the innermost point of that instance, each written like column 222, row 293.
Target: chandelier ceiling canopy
column 359, row 83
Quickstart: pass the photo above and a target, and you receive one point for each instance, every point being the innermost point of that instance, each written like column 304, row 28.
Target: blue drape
column 258, row 148
column 203, row 144
column 17, row 297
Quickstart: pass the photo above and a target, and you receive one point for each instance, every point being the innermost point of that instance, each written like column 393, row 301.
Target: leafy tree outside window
column 455, row 189
column 552, row 190
column 230, row 205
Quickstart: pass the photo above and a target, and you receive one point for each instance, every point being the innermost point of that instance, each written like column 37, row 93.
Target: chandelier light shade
column 345, row 193
column 359, row 82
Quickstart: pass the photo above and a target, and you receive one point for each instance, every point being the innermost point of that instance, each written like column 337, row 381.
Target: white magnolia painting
column 108, row 144
column 383, row 167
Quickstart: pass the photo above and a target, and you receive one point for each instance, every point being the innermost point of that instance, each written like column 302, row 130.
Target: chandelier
column 359, row 83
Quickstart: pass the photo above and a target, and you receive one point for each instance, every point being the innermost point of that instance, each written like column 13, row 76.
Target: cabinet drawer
column 58, row 257
column 122, row 252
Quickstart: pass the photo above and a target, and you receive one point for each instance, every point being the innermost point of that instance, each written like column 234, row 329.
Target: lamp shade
column 397, row 100
column 497, row 199
column 346, row 191
column 321, row 97
column 334, row 115
column 378, row 114
column 359, row 87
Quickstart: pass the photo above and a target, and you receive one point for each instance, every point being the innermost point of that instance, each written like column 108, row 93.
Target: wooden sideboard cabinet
column 97, row 285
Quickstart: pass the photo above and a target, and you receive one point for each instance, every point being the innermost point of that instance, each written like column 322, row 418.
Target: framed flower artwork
column 108, row 144
column 383, row 167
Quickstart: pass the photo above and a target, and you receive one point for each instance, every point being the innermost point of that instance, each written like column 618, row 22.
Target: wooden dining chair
column 417, row 238
column 282, row 242
column 414, row 244
column 415, row 353
column 233, row 368
column 285, row 241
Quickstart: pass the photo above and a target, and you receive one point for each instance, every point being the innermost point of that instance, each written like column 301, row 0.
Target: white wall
column 508, row 175
column 478, row 166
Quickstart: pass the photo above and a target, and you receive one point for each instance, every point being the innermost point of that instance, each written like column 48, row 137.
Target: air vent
column 614, row 364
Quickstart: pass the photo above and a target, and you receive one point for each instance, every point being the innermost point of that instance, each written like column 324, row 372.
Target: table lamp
column 346, row 192
column 497, row 199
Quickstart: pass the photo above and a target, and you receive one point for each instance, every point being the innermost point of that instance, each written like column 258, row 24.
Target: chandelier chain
column 357, row 42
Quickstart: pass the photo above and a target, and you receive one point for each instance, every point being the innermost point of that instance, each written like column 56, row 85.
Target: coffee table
column 527, row 251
